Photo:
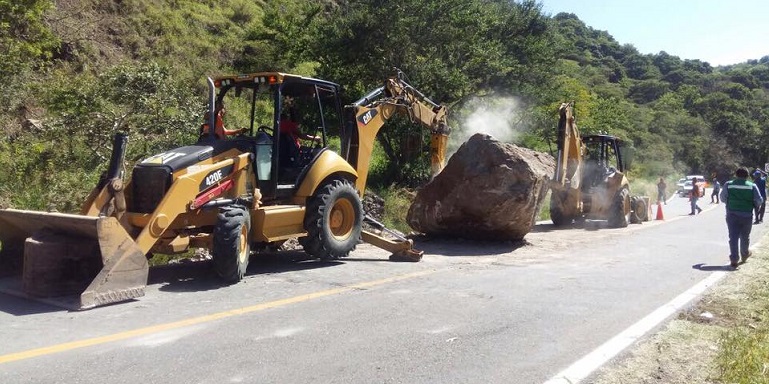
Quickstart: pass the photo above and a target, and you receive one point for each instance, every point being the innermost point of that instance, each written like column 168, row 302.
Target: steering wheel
column 265, row 129
column 318, row 144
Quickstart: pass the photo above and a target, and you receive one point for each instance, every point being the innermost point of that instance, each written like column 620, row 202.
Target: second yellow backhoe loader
column 589, row 180
column 231, row 195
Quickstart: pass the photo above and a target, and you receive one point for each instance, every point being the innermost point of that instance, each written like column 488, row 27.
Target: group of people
column 694, row 194
column 745, row 200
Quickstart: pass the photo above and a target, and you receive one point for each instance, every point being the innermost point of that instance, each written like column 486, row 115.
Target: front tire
column 558, row 218
column 557, row 201
column 333, row 221
column 620, row 205
column 231, row 247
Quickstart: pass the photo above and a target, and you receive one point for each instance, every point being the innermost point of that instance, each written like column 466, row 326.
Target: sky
column 720, row 32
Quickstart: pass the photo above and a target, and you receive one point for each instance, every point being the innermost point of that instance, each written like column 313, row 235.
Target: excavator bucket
column 409, row 255
column 73, row 261
column 402, row 249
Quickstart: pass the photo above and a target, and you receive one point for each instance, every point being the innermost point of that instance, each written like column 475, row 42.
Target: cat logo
column 366, row 117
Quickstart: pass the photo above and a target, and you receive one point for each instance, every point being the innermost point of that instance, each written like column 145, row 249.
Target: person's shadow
column 711, row 268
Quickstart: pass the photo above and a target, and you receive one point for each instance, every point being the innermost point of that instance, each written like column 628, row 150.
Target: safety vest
column 740, row 195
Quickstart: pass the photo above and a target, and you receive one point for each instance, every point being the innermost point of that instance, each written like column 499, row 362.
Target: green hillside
column 75, row 72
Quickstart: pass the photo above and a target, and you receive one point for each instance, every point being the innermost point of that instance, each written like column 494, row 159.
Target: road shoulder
column 686, row 349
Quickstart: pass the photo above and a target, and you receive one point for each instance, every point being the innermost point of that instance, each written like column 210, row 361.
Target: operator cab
column 603, row 157
column 287, row 120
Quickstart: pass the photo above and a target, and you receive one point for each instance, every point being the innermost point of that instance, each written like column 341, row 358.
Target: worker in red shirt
column 290, row 127
column 694, row 195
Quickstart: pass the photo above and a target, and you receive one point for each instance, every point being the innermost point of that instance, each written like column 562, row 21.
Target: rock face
column 489, row 190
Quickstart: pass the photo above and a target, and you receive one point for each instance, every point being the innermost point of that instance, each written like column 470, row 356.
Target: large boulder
column 489, row 190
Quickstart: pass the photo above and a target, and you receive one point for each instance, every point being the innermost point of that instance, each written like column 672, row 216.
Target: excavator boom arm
column 569, row 143
column 366, row 117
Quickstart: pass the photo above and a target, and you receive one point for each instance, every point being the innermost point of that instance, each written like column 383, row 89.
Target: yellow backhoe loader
column 589, row 180
column 231, row 195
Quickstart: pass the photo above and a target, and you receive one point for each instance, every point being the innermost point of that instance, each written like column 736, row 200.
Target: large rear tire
column 231, row 247
column 333, row 221
column 621, row 204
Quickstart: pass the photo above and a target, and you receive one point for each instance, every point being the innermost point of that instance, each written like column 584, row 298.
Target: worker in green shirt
column 741, row 197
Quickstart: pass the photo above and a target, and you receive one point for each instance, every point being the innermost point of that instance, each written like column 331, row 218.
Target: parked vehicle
column 683, row 190
column 700, row 178
column 680, row 185
column 688, row 185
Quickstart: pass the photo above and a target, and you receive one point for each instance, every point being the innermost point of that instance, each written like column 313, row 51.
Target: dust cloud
column 500, row 117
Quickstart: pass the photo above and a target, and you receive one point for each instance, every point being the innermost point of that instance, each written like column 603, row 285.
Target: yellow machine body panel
column 182, row 193
column 278, row 222
column 328, row 163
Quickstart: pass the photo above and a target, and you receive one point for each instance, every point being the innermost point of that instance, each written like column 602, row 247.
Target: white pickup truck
column 686, row 188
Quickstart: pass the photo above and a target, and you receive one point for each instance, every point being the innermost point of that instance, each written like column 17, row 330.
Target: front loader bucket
column 74, row 261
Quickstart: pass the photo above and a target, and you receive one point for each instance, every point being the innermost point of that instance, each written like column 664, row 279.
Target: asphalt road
column 468, row 313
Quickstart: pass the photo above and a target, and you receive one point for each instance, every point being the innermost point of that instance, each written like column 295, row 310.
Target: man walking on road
column 759, row 179
column 661, row 192
column 716, row 192
column 741, row 197
column 694, row 195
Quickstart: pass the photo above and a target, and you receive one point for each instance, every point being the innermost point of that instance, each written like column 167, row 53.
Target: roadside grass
column 396, row 207
column 544, row 210
column 164, row 259
column 744, row 353
column 723, row 338
column 644, row 187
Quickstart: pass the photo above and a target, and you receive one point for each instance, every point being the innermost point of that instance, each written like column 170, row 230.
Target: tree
column 746, row 79
column 698, row 66
column 647, row 91
column 640, row 67
column 283, row 41
column 26, row 43
column 25, row 40
column 450, row 51
column 145, row 101
column 666, row 63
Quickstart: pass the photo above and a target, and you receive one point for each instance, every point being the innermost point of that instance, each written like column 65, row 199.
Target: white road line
column 594, row 360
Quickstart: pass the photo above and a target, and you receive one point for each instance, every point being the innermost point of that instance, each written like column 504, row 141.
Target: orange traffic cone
column 659, row 212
